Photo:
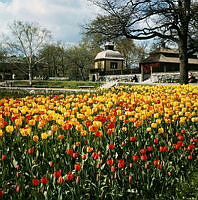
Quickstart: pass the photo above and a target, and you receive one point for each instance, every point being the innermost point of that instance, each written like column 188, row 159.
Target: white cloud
column 61, row 17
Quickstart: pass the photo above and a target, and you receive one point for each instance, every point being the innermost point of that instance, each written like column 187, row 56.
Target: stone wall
column 122, row 78
column 167, row 77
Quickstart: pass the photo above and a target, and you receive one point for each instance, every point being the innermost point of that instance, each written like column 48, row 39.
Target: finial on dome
column 109, row 46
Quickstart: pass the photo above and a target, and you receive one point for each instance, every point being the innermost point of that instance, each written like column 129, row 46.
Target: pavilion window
column 113, row 65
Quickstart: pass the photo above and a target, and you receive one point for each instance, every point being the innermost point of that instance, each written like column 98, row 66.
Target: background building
column 107, row 62
column 165, row 60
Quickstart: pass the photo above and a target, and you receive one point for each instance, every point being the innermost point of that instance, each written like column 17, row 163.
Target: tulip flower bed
column 137, row 142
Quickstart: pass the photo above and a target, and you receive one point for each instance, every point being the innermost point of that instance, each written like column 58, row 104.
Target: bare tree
column 171, row 20
column 27, row 39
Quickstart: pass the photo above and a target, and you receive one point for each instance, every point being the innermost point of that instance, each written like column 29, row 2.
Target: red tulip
column 99, row 153
column 133, row 139
column 111, row 125
column 1, row 193
column 181, row 137
column 69, row 152
column 3, row 157
column 177, row 134
column 191, row 147
column 69, row 176
column 17, row 188
column 57, row 174
column 44, row 180
column 189, row 157
column 17, row 167
column 18, row 174
column 75, row 155
column 123, row 143
column 149, row 148
column 142, row 151
column 78, row 179
column 84, row 157
column 193, row 140
column 30, row 150
column 177, row 146
column 146, row 165
column 109, row 132
column 35, row 182
column 181, row 143
column 86, row 142
column 120, row 163
column 111, row 146
column 183, row 131
column 135, row 158
column 130, row 179
column 60, row 180
column 51, row 163
column 88, row 123
column 169, row 173
column 156, row 162
column 163, row 149
column 156, row 141
column 77, row 167
column 98, row 165
column 113, row 168
column 109, row 162
column 5, row 123
column 159, row 166
column 143, row 157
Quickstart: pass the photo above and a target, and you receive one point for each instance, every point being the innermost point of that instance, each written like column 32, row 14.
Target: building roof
column 109, row 55
column 157, row 56
column 166, row 50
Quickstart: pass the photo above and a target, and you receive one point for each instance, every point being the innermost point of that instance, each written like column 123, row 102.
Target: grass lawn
column 56, row 84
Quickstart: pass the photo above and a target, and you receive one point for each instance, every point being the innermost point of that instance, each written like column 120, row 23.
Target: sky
column 62, row 17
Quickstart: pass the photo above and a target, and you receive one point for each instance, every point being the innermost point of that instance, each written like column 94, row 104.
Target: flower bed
column 136, row 142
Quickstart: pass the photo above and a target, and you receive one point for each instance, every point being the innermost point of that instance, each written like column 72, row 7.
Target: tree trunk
column 54, row 67
column 30, row 75
column 82, row 75
column 183, row 61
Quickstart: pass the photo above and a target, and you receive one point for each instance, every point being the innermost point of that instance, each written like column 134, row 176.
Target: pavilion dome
column 109, row 55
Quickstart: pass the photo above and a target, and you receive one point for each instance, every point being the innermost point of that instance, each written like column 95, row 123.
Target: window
column 113, row 65
column 99, row 65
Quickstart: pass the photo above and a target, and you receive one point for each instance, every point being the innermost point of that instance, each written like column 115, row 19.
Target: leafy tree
column 80, row 58
column 170, row 20
column 132, row 53
column 71, row 61
column 54, row 57
column 3, row 52
column 27, row 39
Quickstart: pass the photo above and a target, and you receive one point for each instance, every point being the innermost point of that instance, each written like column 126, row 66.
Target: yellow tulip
column 158, row 121
column 1, row 133
column 154, row 125
column 148, row 129
column 44, row 136
column 160, row 130
column 35, row 138
column 9, row 129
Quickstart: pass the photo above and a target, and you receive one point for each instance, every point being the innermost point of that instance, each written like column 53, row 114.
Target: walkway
column 109, row 84
column 61, row 90
column 47, row 90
